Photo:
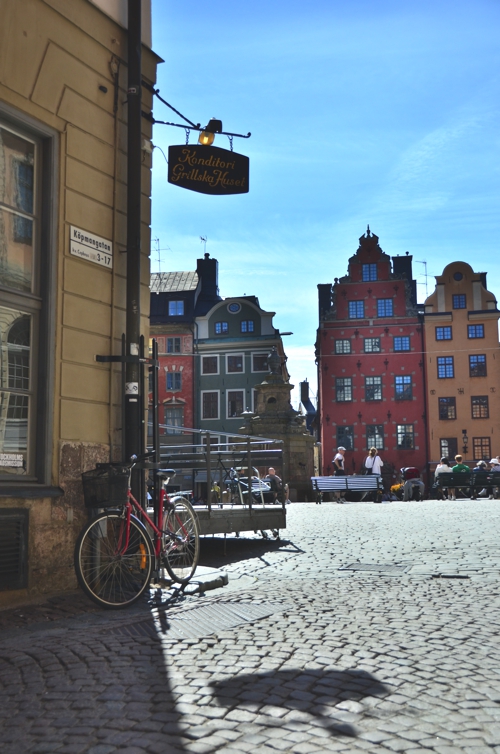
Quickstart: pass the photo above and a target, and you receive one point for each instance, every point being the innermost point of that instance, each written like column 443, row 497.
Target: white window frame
column 211, row 418
column 211, row 355
column 236, row 390
column 228, row 355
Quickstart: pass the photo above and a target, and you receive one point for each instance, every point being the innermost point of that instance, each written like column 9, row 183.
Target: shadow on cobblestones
column 214, row 552
column 295, row 690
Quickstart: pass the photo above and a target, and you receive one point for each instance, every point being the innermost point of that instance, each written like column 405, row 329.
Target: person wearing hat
column 338, row 469
column 487, row 491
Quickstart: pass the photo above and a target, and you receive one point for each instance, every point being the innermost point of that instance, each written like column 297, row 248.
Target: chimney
column 208, row 275
column 304, row 392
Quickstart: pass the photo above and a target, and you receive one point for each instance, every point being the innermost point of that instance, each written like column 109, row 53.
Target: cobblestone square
column 345, row 660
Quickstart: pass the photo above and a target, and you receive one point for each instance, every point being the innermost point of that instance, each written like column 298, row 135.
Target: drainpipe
column 134, row 407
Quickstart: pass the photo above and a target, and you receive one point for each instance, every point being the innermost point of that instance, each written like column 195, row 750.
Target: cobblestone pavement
column 294, row 655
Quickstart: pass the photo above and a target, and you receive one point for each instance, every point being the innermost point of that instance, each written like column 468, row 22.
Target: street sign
column 90, row 247
column 209, row 170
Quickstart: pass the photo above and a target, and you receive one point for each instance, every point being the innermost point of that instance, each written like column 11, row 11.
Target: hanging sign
column 90, row 247
column 209, row 170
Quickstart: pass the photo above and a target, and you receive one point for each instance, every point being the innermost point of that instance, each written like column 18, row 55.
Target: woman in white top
column 444, row 468
column 373, row 462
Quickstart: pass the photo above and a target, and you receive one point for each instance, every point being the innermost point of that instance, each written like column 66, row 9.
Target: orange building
column 463, row 366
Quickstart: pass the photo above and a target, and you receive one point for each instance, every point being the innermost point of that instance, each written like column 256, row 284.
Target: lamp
column 207, row 136
column 465, row 441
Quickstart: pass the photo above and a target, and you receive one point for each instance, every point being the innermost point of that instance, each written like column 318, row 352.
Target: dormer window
column 175, row 308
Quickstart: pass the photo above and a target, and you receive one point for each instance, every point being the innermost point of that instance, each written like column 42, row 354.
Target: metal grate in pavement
column 379, row 567
column 200, row 621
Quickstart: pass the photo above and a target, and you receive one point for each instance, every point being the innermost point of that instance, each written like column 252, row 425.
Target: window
column 373, row 388
column 447, row 408
column 403, row 388
column 235, row 363
column 405, row 436
column 477, row 365
column 345, row 437
column 23, row 271
column 234, row 403
column 443, row 333
column 342, row 346
column 481, row 448
column 402, row 344
column 356, row 309
column 385, row 307
column 479, row 407
column 173, row 345
column 445, row 367
column 174, row 415
column 221, row 328
column 372, row 345
column 343, row 389
column 210, row 365
column 247, row 325
column 459, row 301
column 174, row 380
column 375, row 436
column 259, row 362
column 369, row 272
column 475, row 331
column 210, row 405
column 175, row 308
column 448, row 447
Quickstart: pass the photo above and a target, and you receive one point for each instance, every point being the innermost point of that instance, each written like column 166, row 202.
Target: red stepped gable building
column 370, row 362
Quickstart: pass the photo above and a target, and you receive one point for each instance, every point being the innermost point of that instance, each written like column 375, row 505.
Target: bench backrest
column 455, row 479
column 333, row 483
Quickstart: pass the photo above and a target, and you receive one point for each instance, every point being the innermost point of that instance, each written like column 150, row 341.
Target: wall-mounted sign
column 13, row 460
column 90, row 247
column 209, row 170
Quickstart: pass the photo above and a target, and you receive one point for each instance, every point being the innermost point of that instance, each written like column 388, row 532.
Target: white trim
column 211, row 418
column 237, row 353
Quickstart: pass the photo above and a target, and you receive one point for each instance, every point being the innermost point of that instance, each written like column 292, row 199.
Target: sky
column 384, row 113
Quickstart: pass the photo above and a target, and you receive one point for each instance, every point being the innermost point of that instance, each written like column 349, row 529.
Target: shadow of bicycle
column 314, row 692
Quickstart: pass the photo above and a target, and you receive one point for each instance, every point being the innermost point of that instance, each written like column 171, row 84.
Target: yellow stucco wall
column 481, row 308
column 54, row 55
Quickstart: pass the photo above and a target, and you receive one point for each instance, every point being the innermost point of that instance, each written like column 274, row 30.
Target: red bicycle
column 118, row 551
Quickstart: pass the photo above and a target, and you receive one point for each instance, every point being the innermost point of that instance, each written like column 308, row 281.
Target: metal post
column 133, row 399
column 249, row 473
column 209, row 473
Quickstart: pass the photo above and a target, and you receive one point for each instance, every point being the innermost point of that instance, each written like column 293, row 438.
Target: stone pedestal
column 275, row 418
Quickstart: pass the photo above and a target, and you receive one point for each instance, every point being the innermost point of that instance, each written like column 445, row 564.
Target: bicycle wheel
column 108, row 574
column 181, row 541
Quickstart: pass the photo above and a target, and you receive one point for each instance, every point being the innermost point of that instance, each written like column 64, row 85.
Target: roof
column 173, row 282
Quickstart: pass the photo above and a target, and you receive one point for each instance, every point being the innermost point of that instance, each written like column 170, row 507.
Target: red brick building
column 370, row 362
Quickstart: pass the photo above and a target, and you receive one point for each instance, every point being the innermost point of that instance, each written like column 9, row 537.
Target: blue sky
column 384, row 112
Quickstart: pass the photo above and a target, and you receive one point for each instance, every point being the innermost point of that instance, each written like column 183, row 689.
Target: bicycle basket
column 105, row 486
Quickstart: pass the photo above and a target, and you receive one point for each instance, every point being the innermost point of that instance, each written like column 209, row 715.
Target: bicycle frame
column 158, row 530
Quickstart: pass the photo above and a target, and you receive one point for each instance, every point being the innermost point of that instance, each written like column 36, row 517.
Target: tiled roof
column 172, row 282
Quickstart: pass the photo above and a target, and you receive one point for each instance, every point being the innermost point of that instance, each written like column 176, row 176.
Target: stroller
column 413, row 488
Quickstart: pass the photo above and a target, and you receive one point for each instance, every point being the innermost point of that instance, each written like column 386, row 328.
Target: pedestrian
column 373, row 462
column 274, row 482
column 482, row 466
column 442, row 468
column 339, row 470
column 457, row 469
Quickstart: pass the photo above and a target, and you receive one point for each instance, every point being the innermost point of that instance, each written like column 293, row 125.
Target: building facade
column 63, row 91
column 463, row 366
column 369, row 352
column 233, row 342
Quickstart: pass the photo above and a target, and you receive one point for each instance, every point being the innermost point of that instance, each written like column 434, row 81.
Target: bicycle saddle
column 163, row 473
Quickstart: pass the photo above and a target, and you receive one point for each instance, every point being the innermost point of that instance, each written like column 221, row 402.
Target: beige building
column 63, row 141
column 463, row 366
